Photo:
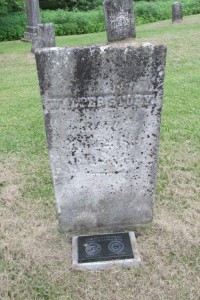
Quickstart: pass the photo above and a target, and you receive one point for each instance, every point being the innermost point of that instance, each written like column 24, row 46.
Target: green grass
column 34, row 256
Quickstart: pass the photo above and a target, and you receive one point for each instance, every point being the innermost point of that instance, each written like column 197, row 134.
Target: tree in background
column 3, row 7
column 52, row 4
column 7, row 6
column 70, row 4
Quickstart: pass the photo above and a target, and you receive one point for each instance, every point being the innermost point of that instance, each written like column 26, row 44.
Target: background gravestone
column 102, row 110
column 33, row 19
column 120, row 23
column 177, row 14
column 44, row 38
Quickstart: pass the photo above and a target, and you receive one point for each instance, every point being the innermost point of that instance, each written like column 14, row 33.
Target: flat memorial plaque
column 96, row 252
column 104, row 247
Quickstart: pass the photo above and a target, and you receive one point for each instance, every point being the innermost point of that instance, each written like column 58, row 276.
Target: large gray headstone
column 33, row 19
column 102, row 110
column 177, row 14
column 44, row 38
column 120, row 22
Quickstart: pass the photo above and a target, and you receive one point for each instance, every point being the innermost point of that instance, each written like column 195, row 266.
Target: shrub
column 7, row 6
column 147, row 12
column 12, row 26
column 66, row 22
column 84, row 5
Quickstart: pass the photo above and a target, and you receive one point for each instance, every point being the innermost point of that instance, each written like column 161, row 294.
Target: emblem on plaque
column 92, row 249
column 102, row 251
column 116, row 247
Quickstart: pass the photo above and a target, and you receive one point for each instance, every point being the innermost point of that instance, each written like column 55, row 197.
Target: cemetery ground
column 35, row 258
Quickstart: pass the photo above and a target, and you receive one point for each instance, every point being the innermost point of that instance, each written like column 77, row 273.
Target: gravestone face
column 44, row 38
column 102, row 109
column 120, row 22
column 177, row 14
column 33, row 19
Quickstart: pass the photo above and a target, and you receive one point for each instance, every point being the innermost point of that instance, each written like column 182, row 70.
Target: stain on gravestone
column 120, row 22
column 102, row 110
column 177, row 14
column 44, row 38
column 33, row 19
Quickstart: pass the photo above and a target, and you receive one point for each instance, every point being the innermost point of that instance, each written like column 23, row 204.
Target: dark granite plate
column 104, row 247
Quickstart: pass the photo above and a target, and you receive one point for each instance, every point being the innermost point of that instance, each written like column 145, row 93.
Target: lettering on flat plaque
column 104, row 247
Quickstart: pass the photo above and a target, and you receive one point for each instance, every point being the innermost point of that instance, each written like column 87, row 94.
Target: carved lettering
column 122, row 19
column 136, row 101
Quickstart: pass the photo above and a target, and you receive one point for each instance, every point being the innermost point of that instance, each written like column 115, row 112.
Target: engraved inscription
column 88, row 145
column 100, row 102
column 86, row 142
column 121, row 20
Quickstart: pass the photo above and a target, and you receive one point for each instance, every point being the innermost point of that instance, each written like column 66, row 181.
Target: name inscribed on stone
column 100, row 102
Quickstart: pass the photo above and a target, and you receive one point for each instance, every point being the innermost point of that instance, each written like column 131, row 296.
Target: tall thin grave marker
column 33, row 19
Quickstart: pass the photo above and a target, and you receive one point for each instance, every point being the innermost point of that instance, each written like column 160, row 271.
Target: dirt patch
column 29, row 242
column 10, row 183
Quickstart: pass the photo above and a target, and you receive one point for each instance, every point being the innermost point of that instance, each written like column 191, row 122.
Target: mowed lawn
column 35, row 258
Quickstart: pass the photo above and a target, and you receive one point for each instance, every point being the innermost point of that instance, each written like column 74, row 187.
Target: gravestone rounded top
column 120, row 23
column 177, row 14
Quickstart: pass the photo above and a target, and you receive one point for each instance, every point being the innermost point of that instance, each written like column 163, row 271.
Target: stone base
column 30, row 33
column 109, row 264
column 177, row 21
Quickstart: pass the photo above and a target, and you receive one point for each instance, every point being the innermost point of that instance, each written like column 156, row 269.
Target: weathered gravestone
column 102, row 110
column 44, row 38
column 177, row 14
column 33, row 18
column 120, row 22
